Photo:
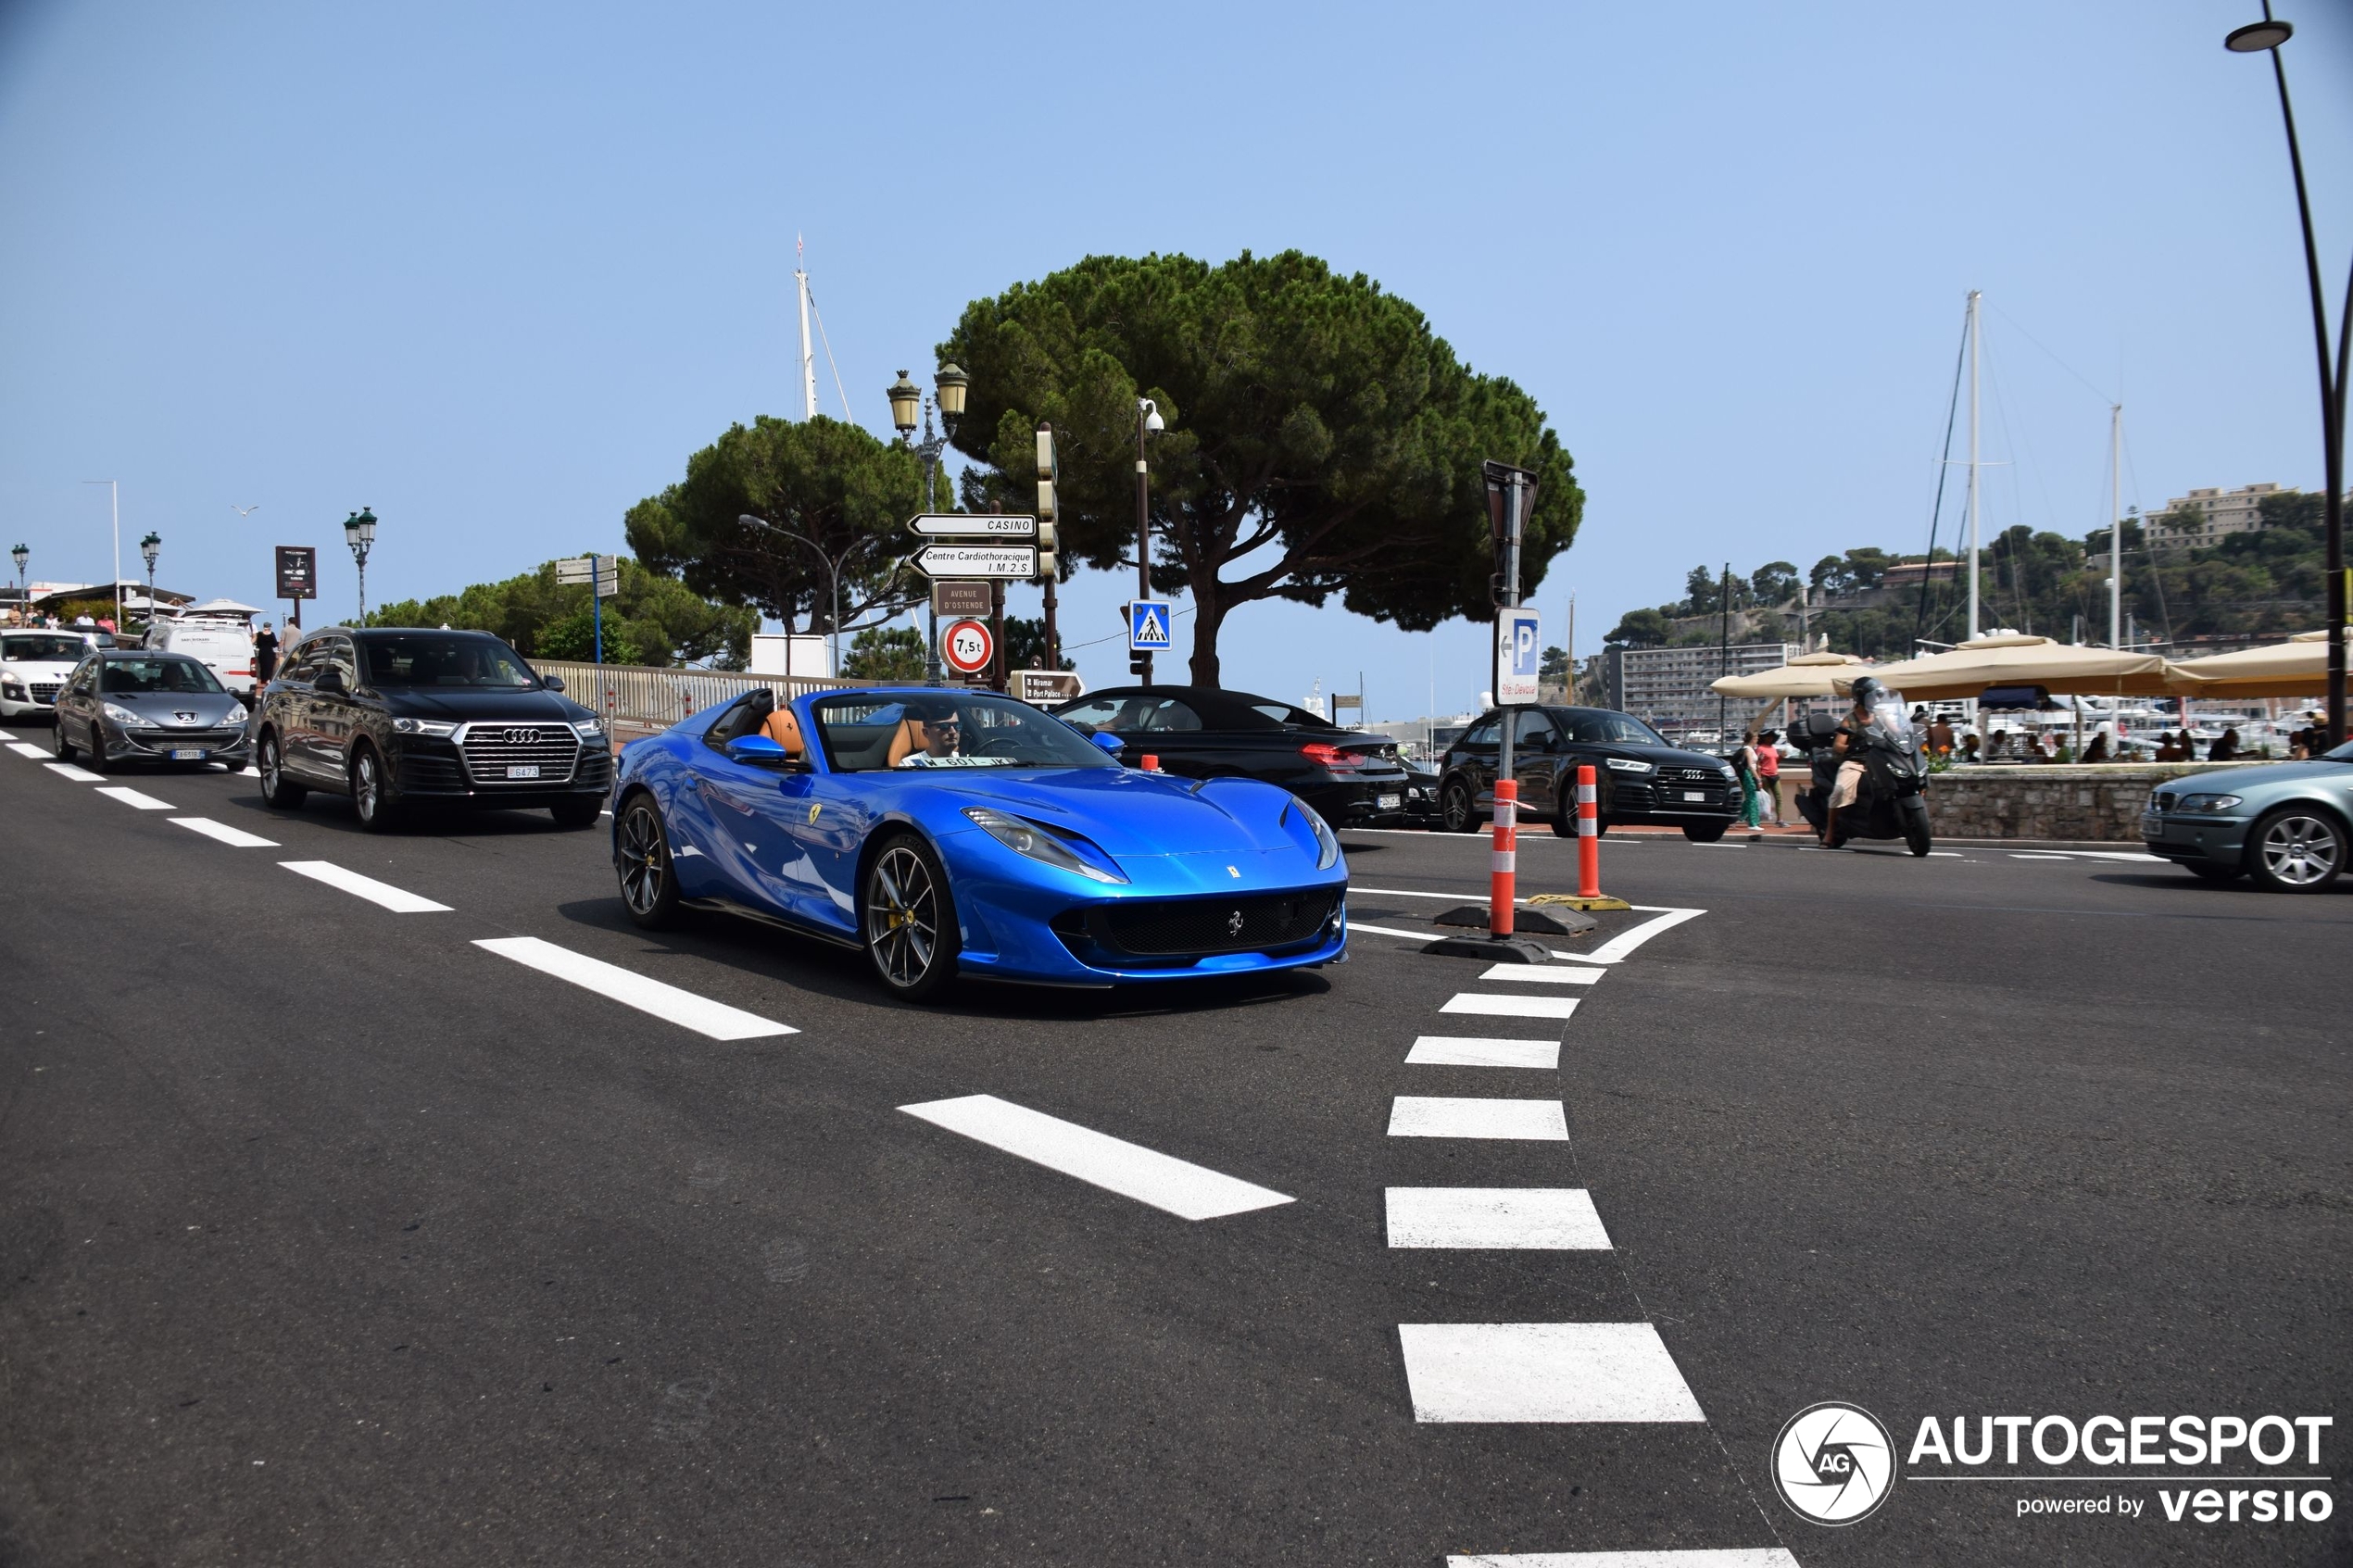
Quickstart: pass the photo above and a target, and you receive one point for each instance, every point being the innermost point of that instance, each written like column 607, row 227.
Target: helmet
column 1864, row 690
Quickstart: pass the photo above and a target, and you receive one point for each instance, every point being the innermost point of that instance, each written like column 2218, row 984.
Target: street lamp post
column 907, row 402
column 834, row 565
column 149, row 548
column 2265, row 37
column 360, row 533
column 1148, row 422
column 24, row 603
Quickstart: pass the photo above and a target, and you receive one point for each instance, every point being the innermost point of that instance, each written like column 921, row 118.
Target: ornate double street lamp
column 360, row 532
column 149, row 548
column 908, row 404
column 2265, row 37
column 24, row 608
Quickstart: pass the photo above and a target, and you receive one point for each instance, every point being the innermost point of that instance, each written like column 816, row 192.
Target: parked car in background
column 1353, row 779
column 2286, row 826
column 33, row 667
column 126, row 704
column 225, row 646
column 1638, row 776
column 1421, row 798
column 397, row 718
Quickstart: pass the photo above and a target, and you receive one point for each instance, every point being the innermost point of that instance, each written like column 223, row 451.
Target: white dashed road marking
column 1548, row 1372
column 5, row 735
column 1542, row 974
column 236, row 839
column 1689, row 1557
column 1559, row 1219
column 22, row 749
column 68, row 770
column 1178, row 1186
column 1511, row 1007
column 400, row 900
column 134, row 798
column 1474, row 1050
column 1425, row 1116
column 1357, row 925
column 683, row 1007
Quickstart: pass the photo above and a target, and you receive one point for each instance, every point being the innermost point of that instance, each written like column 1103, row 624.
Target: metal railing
column 639, row 700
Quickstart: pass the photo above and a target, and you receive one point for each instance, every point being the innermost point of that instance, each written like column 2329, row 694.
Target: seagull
column 244, row 511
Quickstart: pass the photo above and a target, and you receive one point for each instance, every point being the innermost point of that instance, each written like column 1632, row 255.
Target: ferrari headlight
column 424, row 727
column 1030, row 839
column 1327, row 846
column 2208, row 802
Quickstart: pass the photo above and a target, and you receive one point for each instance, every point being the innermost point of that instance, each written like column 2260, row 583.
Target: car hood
column 2237, row 781
column 39, row 668
column 1127, row 812
column 1661, row 756
column 165, row 707
column 466, row 702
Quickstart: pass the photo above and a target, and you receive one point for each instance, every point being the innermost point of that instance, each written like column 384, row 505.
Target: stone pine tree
column 1322, row 441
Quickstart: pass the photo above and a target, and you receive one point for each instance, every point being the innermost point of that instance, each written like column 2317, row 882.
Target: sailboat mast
column 808, row 349
column 2115, row 524
column 1972, row 462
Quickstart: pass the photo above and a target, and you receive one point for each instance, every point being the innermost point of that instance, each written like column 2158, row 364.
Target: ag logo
column 1835, row 1464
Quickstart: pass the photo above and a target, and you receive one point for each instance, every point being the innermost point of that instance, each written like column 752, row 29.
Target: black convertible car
column 1351, row 778
column 1637, row 777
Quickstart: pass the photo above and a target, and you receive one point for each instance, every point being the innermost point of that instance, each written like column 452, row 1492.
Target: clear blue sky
column 495, row 271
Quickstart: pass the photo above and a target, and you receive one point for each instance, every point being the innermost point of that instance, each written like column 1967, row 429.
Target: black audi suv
column 396, row 718
column 1638, row 776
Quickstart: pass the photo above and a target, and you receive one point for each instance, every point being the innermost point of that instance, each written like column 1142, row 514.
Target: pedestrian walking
column 1744, row 766
column 1769, row 774
column 265, row 655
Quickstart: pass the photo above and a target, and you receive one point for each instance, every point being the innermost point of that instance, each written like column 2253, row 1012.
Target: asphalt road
column 328, row 1234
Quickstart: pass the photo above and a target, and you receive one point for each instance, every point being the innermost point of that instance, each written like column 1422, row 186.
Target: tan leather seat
column 906, row 742
column 785, row 730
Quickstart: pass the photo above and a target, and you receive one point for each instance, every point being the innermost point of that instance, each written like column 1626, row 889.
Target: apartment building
column 1669, row 687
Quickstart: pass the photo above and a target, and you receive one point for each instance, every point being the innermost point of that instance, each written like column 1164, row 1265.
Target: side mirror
column 758, row 751
column 553, row 683
column 1109, row 742
column 329, row 679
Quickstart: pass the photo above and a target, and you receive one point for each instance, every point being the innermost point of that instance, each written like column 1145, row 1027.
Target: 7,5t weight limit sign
column 967, row 648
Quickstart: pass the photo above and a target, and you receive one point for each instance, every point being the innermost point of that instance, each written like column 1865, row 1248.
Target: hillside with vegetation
column 654, row 618
column 2255, row 585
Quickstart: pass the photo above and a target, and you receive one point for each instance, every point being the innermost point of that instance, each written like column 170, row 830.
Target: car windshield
column 443, row 659
column 1599, row 726
column 47, row 648
column 947, row 729
column 126, row 677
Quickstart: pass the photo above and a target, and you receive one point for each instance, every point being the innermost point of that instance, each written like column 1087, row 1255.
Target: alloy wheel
column 2300, row 851
column 902, row 917
column 644, row 860
column 367, row 787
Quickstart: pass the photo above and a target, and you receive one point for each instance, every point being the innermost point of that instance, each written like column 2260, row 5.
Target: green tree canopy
column 654, row 618
column 1320, row 436
column 1026, row 642
column 886, row 653
column 1640, row 629
column 829, row 482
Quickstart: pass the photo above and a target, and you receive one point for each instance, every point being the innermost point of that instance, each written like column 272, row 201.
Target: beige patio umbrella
column 2013, row 660
column 1810, row 674
column 2298, row 667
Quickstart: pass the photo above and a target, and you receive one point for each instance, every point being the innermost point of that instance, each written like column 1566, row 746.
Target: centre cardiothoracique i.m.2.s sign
column 1835, row 1464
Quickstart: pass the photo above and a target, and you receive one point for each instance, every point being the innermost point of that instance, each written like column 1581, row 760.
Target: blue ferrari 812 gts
column 950, row 832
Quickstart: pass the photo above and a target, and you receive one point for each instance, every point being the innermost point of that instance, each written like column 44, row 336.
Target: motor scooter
column 1890, row 800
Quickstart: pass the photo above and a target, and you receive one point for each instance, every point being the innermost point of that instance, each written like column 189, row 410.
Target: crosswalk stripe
column 1556, row 1219
column 236, row 839
column 685, row 1009
column 1543, row 975
column 22, row 749
column 1176, row 1186
column 1511, row 1007
column 1700, row 1557
column 8, row 735
column 1543, row 1371
column 1427, row 1116
column 68, row 770
column 1475, row 1050
column 400, row 900
column 134, row 798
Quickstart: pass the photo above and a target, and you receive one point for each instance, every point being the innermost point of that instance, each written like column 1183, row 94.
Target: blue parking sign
column 1148, row 622
column 1518, row 655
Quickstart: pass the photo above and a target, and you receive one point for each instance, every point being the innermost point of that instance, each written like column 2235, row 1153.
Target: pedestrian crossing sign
column 1147, row 626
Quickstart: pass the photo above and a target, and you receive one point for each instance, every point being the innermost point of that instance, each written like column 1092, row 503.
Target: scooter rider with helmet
column 1848, row 746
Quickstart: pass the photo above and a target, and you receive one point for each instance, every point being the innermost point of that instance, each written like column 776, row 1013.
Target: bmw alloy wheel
column 2297, row 852
column 910, row 924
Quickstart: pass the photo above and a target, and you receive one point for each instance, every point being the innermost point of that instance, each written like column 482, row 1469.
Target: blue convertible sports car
column 950, row 832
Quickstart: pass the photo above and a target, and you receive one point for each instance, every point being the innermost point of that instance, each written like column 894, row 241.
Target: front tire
column 372, row 793
column 2295, row 850
column 1707, row 833
column 908, row 919
column 276, row 788
column 1456, row 809
column 1916, row 838
column 57, row 742
column 648, row 877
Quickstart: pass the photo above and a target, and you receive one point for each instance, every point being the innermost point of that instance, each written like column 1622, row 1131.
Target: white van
column 223, row 647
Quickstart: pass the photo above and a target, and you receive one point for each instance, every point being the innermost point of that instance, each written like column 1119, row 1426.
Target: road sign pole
column 997, row 635
column 598, row 600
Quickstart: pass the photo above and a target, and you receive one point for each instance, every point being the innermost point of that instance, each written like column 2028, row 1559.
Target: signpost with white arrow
column 972, row 525
column 1011, row 563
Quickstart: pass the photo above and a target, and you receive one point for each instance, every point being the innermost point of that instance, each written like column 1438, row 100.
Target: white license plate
column 187, row 754
column 1696, row 794
column 1387, row 802
column 523, row 771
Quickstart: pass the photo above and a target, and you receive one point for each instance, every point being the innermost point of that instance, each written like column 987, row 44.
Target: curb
column 1807, row 841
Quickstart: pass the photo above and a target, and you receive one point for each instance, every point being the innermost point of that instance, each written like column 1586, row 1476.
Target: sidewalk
column 1802, row 837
